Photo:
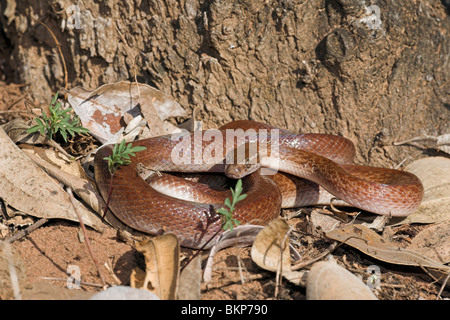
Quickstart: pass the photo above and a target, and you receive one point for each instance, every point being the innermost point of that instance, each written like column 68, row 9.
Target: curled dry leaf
column 271, row 246
column 103, row 110
column 372, row 244
column 434, row 172
column 271, row 251
column 27, row 188
column 329, row 281
column 162, row 266
column 56, row 159
column 17, row 131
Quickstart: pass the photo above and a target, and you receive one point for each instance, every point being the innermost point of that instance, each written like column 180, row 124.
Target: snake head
column 242, row 160
column 238, row 171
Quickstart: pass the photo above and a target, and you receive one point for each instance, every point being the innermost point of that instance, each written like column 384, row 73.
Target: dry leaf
column 271, row 251
column 433, row 242
column 27, row 188
column 56, row 159
column 441, row 143
column 325, row 222
column 372, row 244
column 271, row 246
column 434, row 172
column 189, row 287
column 17, row 131
column 329, row 281
column 103, row 110
column 162, row 266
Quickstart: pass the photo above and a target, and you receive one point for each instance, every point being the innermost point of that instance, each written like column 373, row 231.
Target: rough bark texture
column 374, row 71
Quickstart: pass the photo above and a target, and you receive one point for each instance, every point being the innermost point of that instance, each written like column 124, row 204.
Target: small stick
column 283, row 243
column 16, row 101
column 27, row 231
column 88, row 243
column 443, row 286
column 302, row 264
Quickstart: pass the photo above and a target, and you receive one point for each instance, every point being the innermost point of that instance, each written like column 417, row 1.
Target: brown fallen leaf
column 162, row 266
column 271, row 251
column 17, row 130
column 329, row 281
column 103, row 110
column 433, row 242
column 434, row 172
column 372, row 244
column 441, row 143
column 56, row 159
column 27, row 188
column 189, row 287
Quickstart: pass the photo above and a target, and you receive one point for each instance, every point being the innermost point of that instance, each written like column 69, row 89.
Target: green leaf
column 54, row 99
column 223, row 211
column 227, row 202
column 64, row 135
column 239, row 186
column 34, row 129
column 241, row 197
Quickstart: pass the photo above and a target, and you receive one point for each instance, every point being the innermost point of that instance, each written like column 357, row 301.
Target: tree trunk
column 374, row 71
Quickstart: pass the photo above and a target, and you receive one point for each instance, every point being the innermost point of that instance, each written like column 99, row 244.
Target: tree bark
column 374, row 71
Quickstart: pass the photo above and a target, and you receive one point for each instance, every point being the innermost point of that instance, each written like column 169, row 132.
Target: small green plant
column 60, row 120
column 121, row 155
column 228, row 222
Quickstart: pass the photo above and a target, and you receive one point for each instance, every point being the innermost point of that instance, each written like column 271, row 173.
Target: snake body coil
column 324, row 160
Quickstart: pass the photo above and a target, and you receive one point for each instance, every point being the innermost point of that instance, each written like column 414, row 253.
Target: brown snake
column 320, row 158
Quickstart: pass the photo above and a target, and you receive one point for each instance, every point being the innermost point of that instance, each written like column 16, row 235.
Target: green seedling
column 60, row 120
column 228, row 222
column 121, row 155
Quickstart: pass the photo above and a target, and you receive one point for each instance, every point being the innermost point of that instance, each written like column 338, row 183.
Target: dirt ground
column 48, row 252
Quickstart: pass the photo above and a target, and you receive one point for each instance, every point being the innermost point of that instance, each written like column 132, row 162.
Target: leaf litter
column 262, row 261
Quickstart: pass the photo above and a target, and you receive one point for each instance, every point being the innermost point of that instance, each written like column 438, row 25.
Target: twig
column 16, row 101
column 303, row 264
column 443, row 286
column 416, row 139
column 88, row 243
column 240, row 267
column 280, row 265
column 27, row 231
column 108, row 266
